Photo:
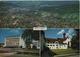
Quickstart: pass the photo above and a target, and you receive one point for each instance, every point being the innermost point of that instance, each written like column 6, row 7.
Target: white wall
column 36, row 43
column 22, row 43
column 67, row 40
column 63, row 46
column 4, row 43
column 57, row 46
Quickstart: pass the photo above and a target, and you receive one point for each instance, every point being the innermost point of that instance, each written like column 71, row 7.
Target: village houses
column 59, row 43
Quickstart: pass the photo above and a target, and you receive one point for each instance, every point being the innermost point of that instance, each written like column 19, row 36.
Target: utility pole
column 40, row 29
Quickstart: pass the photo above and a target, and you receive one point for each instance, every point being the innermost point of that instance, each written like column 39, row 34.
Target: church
column 59, row 43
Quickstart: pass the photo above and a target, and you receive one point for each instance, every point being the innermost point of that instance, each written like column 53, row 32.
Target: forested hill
column 28, row 14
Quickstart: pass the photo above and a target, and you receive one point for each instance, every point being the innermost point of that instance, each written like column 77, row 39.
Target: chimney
column 64, row 35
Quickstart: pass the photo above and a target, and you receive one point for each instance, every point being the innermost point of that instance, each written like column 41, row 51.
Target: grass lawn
column 26, row 53
column 63, row 51
column 22, row 55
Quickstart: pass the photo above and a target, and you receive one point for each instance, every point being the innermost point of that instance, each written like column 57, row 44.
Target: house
column 59, row 43
column 14, row 41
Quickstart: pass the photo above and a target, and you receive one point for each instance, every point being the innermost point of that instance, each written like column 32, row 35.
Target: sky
column 58, row 32
column 5, row 32
column 49, row 33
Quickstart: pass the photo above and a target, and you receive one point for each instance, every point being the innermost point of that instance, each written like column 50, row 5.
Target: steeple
column 64, row 35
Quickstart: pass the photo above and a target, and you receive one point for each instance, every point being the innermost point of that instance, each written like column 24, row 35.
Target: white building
column 59, row 43
column 36, row 43
column 14, row 41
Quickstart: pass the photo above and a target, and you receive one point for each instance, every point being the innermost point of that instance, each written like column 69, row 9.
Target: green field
column 22, row 55
column 64, row 51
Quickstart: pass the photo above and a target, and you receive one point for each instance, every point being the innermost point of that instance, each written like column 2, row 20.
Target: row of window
column 52, row 45
column 55, row 45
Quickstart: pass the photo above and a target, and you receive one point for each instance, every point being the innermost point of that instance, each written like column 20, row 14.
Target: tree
column 75, row 40
column 29, row 35
column 40, row 36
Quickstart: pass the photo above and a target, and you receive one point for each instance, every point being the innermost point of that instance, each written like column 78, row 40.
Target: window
column 50, row 45
column 47, row 45
column 64, row 45
column 56, row 45
column 53, row 45
column 56, row 42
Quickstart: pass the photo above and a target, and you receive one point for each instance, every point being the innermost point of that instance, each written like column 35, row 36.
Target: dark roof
column 13, row 36
column 60, row 40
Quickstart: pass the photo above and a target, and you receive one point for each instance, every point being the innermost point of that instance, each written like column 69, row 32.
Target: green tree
column 75, row 40
column 29, row 35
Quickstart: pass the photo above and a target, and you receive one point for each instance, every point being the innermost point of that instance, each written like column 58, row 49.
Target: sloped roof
column 13, row 36
column 60, row 40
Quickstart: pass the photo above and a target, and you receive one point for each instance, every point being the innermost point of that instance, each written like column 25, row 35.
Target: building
column 29, row 39
column 59, row 43
column 14, row 41
column 36, row 43
column 1, row 45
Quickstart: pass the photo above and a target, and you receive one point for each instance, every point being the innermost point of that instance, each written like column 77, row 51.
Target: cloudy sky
column 49, row 33
column 58, row 32
column 5, row 32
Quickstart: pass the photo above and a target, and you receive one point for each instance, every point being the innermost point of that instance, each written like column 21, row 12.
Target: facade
column 57, row 43
column 36, row 43
column 14, row 41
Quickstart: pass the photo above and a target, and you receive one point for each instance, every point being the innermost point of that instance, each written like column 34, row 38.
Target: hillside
column 29, row 14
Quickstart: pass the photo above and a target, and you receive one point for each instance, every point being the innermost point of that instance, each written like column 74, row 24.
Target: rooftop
column 60, row 40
